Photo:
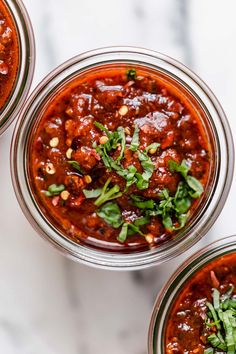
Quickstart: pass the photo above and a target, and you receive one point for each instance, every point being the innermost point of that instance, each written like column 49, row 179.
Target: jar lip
column 179, row 277
column 25, row 71
column 101, row 258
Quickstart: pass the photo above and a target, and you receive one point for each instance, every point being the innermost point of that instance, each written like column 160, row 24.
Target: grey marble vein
column 182, row 28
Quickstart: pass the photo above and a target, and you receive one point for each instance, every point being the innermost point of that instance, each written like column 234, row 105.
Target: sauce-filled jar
column 17, row 57
column 190, row 313
column 122, row 158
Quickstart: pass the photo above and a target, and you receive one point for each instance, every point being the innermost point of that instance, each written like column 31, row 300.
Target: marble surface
column 49, row 304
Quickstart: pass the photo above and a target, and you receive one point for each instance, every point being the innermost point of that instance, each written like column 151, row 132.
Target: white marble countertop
column 49, row 304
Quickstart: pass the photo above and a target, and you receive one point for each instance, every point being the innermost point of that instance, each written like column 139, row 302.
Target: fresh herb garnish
column 54, row 189
column 173, row 210
column 152, row 146
column 148, row 166
column 129, row 229
column 122, row 139
column 182, row 201
column 142, row 204
column 130, row 174
column 108, row 194
column 183, row 168
column 76, row 165
column 167, row 207
column 110, row 212
column 222, row 316
column 131, row 74
column 209, row 351
column 123, row 233
column 196, row 188
column 92, row 193
column 135, row 139
column 103, row 128
column 114, row 140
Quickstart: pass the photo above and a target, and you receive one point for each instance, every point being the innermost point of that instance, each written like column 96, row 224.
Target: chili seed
column 69, row 153
column 65, row 195
column 149, row 238
column 137, row 110
column 152, row 151
column 54, row 142
column 123, row 110
column 87, row 179
column 50, row 169
column 103, row 140
column 127, row 131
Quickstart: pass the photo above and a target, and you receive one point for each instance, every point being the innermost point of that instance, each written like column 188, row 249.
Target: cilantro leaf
column 108, row 194
column 121, row 134
column 148, row 166
column 111, row 214
column 123, row 233
column 129, row 229
column 103, row 128
column 76, row 165
column 135, row 139
column 54, row 189
column 131, row 74
column 130, row 176
column 92, row 193
column 183, row 168
column 152, row 146
column 140, row 203
column 195, row 186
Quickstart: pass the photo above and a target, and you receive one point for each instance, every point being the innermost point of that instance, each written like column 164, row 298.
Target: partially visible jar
column 23, row 34
column 214, row 120
column 174, row 286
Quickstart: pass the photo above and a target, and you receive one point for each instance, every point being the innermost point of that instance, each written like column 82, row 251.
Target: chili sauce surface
column 9, row 54
column 142, row 108
column 186, row 331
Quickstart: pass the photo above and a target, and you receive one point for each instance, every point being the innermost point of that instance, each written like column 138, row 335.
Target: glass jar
column 25, row 69
column 218, row 131
column 174, row 285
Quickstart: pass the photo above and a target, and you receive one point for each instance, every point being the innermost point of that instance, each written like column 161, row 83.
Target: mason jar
column 215, row 123
column 175, row 285
column 26, row 59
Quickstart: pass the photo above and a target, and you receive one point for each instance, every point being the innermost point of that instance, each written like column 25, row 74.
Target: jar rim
column 100, row 258
column 26, row 65
column 181, row 275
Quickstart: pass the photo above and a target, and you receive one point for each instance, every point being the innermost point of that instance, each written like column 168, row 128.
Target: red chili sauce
column 9, row 54
column 116, row 129
column 186, row 331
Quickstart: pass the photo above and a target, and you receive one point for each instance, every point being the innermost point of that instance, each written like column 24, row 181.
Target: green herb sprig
column 222, row 315
column 115, row 139
column 131, row 74
column 167, row 207
column 130, row 174
column 196, row 188
column 111, row 214
column 135, row 139
column 107, row 194
column 76, row 166
column 54, row 189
